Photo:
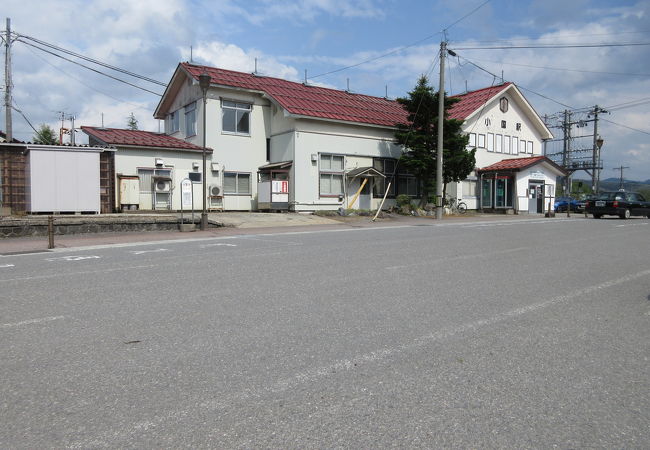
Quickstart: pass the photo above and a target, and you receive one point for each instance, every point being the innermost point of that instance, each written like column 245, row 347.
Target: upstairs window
column 190, row 119
column 236, row 117
column 173, row 122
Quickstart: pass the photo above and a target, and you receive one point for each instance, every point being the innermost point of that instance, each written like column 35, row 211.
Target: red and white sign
column 280, row 187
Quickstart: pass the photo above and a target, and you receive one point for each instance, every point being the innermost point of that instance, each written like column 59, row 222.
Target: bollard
column 50, row 231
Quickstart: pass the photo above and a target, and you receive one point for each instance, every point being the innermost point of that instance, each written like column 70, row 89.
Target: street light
column 204, row 82
column 599, row 143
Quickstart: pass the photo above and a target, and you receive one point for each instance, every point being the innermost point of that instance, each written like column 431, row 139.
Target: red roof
column 138, row 138
column 516, row 164
column 311, row 101
column 471, row 101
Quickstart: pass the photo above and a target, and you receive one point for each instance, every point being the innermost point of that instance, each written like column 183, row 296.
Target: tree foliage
column 131, row 122
column 45, row 135
column 420, row 135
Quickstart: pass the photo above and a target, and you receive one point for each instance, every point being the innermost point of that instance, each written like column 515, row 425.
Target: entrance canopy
column 365, row 172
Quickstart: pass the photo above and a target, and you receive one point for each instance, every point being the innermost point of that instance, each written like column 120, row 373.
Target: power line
column 552, row 46
column 467, row 15
column 625, row 126
column 86, row 58
column 83, row 83
column 565, row 69
column 90, row 68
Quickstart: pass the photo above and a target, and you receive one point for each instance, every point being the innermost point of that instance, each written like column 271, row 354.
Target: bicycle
column 455, row 207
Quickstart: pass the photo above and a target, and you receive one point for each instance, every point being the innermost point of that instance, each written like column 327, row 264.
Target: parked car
column 620, row 203
column 562, row 203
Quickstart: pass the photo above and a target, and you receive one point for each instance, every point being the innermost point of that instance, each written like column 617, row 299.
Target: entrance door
column 365, row 195
column 535, row 198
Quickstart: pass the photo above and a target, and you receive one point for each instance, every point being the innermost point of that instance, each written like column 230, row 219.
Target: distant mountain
column 612, row 184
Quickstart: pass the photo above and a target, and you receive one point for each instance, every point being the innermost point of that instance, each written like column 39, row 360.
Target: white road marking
column 59, row 275
column 3, row 266
column 31, row 321
column 109, row 438
column 218, row 244
column 140, row 252
column 73, row 258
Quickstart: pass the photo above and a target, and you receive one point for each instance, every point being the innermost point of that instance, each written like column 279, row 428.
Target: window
column 503, row 104
column 498, row 143
column 515, row 145
column 146, row 181
column 518, row 126
column 173, row 123
column 235, row 183
column 529, row 147
column 407, row 185
column 190, row 119
column 503, row 124
column 236, row 117
column 472, row 140
column 469, row 188
column 487, row 122
column 268, row 149
column 387, row 167
column 490, row 142
column 331, row 175
column 506, row 144
column 481, row 141
column 522, row 146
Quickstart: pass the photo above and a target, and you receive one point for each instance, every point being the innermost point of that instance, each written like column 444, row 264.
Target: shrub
column 403, row 200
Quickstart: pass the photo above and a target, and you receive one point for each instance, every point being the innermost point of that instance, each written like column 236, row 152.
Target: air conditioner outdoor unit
column 215, row 190
column 163, row 186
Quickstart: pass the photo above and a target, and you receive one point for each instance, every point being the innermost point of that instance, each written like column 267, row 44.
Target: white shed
column 63, row 180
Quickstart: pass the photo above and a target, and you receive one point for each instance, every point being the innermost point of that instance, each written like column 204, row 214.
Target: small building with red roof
column 149, row 167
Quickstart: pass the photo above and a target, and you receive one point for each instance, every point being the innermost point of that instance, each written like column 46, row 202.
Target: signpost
column 187, row 197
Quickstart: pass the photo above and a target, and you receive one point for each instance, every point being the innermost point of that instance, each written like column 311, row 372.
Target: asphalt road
column 503, row 334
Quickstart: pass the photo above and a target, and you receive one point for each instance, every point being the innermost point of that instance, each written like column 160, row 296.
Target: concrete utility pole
column 8, row 123
column 441, row 122
column 595, row 174
column 621, row 185
column 566, row 155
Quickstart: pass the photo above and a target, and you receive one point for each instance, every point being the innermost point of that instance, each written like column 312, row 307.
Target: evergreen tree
column 45, row 135
column 132, row 122
column 419, row 137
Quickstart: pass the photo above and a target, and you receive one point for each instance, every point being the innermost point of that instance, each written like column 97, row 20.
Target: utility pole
column 8, row 123
column 620, row 184
column 72, row 141
column 595, row 174
column 566, row 152
column 441, row 122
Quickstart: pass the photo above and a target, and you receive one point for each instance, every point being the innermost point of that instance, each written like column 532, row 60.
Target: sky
column 388, row 43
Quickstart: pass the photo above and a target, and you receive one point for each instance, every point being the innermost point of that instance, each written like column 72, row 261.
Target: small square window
column 518, row 126
column 503, row 124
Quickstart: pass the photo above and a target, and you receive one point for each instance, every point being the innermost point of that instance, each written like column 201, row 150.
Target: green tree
column 131, row 122
column 419, row 137
column 46, row 135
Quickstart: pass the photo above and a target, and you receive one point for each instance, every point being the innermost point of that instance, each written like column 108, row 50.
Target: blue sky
column 150, row 37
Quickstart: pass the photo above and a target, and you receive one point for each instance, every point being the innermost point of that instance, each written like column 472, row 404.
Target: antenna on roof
column 348, row 85
column 255, row 73
column 102, row 120
column 386, row 95
column 502, row 81
column 466, row 90
column 191, row 59
column 305, row 76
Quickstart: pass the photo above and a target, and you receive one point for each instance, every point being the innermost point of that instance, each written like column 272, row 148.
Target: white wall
column 359, row 144
column 64, row 181
column 127, row 162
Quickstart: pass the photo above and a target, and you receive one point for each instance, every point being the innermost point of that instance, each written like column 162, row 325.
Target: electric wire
column 555, row 46
column 15, row 108
column 565, row 69
column 92, row 69
column 86, row 58
column 625, row 126
column 467, row 15
column 85, row 84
